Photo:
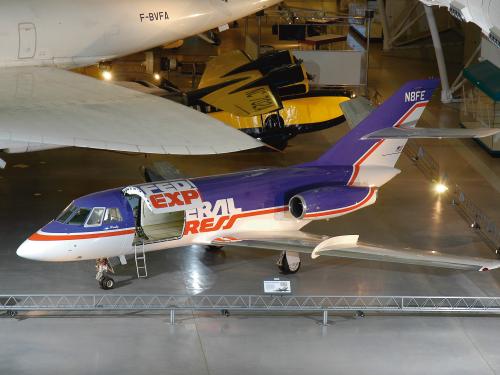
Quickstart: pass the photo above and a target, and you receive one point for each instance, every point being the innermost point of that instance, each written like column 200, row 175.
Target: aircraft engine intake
column 330, row 201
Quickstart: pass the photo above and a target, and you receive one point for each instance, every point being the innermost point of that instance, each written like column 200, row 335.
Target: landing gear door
column 27, row 41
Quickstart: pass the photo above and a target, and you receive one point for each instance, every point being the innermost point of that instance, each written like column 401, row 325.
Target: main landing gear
column 288, row 262
column 103, row 267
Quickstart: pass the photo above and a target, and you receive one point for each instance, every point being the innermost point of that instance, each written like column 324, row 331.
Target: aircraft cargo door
column 27, row 40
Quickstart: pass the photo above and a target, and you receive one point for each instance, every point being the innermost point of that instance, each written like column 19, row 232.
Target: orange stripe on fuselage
column 358, row 163
column 66, row 237
column 361, row 160
column 193, row 226
column 343, row 210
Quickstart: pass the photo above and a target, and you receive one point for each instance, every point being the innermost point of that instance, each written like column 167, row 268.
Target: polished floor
column 36, row 186
column 206, row 344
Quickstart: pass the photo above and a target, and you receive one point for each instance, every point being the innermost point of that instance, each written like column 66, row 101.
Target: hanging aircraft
column 485, row 14
column 262, row 208
column 44, row 106
column 268, row 98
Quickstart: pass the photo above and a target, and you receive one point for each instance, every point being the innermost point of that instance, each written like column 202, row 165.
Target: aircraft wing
column 218, row 66
column 349, row 247
column 356, row 110
column 46, row 106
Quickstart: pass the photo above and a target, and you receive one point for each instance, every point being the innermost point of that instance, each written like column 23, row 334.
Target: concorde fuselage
column 67, row 33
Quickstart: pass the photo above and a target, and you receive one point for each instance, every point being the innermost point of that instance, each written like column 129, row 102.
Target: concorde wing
column 349, row 247
column 47, row 106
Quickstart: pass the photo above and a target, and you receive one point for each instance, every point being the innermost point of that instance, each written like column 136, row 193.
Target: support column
column 446, row 96
column 259, row 15
column 386, row 38
column 368, row 17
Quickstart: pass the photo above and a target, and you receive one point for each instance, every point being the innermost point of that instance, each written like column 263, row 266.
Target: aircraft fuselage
column 208, row 208
column 69, row 34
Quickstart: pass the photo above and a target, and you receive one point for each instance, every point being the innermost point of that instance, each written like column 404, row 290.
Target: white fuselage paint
column 100, row 247
column 74, row 33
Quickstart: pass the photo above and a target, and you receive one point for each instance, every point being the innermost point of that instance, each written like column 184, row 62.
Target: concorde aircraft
column 43, row 106
column 484, row 13
column 262, row 208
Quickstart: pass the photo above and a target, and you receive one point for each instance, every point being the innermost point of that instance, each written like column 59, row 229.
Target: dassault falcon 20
column 262, row 208
column 44, row 106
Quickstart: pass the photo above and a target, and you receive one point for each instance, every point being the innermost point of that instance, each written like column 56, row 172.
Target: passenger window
column 95, row 218
column 113, row 215
column 80, row 216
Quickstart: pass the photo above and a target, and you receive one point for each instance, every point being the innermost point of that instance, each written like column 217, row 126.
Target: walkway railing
column 476, row 217
column 250, row 303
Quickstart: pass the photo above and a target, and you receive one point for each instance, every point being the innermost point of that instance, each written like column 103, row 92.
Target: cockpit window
column 79, row 216
column 95, row 218
column 113, row 215
column 67, row 212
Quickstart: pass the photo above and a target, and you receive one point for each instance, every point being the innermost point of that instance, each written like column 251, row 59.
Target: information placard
column 277, row 286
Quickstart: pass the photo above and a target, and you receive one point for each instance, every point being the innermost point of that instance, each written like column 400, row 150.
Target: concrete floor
column 207, row 344
column 36, row 186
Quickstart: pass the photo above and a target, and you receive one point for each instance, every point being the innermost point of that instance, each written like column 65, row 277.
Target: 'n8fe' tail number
column 414, row 96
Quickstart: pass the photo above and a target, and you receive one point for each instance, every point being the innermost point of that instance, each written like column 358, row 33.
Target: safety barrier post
column 172, row 316
column 325, row 318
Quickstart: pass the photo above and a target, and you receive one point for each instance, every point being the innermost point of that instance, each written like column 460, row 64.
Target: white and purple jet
column 262, row 208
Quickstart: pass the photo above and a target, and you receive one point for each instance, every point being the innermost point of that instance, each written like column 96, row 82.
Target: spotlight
column 440, row 188
column 107, row 75
column 157, row 76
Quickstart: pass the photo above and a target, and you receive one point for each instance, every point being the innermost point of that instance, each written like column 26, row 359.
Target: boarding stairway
column 140, row 260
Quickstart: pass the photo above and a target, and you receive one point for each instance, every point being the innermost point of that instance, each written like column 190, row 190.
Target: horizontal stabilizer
column 406, row 133
column 161, row 171
column 356, row 110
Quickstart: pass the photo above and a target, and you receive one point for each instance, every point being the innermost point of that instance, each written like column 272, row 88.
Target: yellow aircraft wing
column 218, row 66
column 235, row 84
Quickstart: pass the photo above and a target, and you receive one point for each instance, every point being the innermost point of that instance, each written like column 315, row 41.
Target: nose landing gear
column 103, row 267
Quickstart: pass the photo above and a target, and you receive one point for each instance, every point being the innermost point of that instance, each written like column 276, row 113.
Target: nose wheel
column 106, row 283
column 288, row 262
column 103, row 268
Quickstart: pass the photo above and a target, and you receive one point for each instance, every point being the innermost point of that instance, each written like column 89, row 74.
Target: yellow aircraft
column 316, row 110
column 268, row 98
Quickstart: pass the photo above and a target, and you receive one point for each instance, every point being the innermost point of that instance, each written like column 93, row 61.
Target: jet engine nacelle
column 330, row 201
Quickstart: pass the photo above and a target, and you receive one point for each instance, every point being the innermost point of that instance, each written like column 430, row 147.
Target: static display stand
column 277, row 286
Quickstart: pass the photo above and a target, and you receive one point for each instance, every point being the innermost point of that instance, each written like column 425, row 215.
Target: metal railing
column 250, row 303
column 476, row 217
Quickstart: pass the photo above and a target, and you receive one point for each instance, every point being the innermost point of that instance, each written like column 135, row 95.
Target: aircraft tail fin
column 403, row 109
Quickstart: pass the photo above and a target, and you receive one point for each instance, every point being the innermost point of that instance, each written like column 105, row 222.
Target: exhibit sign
column 277, row 286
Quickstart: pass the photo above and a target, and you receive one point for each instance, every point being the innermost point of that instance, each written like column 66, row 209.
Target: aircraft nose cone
column 27, row 250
